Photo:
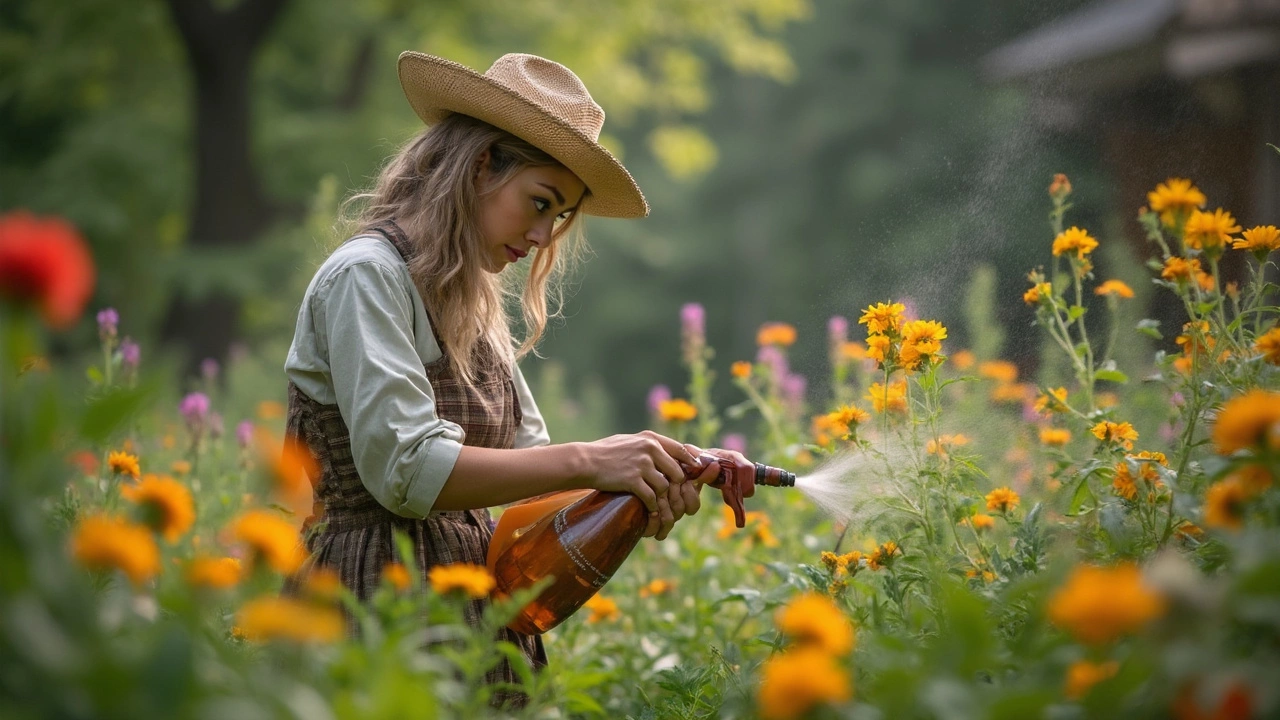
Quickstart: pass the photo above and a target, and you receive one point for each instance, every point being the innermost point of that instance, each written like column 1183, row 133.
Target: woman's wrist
column 576, row 461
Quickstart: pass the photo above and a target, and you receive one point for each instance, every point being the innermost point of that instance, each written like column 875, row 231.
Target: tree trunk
column 228, row 208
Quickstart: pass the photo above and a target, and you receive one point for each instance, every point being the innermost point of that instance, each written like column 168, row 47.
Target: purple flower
column 772, row 357
column 108, row 320
column 209, row 369
column 793, row 387
column 658, row 394
column 736, row 442
column 1178, row 399
column 130, row 354
column 244, row 433
column 837, row 329
column 693, row 331
column 195, row 410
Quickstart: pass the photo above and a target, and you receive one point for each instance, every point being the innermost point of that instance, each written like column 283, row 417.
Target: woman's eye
column 563, row 216
column 541, row 204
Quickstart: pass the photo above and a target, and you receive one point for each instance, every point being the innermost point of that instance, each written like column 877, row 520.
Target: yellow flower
column 776, row 333
column 1099, row 604
column 1083, row 675
column 1248, row 420
column 396, row 575
column 280, row 618
column 999, row 370
column 813, row 620
column 122, row 463
column 883, row 556
column 1260, row 240
column 1210, row 232
column 322, row 584
column 656, row 587
column 602, row 609
column 166, row 504
column 1106, row 399
column 882, row 318
column 180, row 468
column 1126, row 486
column 272, row 539
column 921, row 340
column 1114, row 287
column 677, row 410
column 940, row 445
column 1181, row 270
column 1074, row 239
column 1053, row 401
column 473, row 580
column 216, row 573
column 1268, row 344
column 1255, row 478
column 892, row 398
column 878, row 347
column 1037, row 292
column 794, row 682
column 1224, row 503
column 102, row 542
column 1122, row 434
column 1002, row 500
column 270, row 410
column 1174, row 199
column 980, row 521
column 853, row 350
column 741, row 369
column 1012, row 392
column 963, row 360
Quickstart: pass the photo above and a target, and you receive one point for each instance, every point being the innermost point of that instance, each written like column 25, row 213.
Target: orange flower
column 883, row 555
column 1247, row 421
column 656, row 587
column 888, row 399
column 45, row 262
column 999, row 370
column 677, row 410
column 980, row 521
column 1074, row 240
column 1122, row 434
column 1224, row 503
column 1114, row 287
column 102, row 542
column 1210, row 232
column 396, row 575
column 281, row 618
column 602, row 609
column 122, row 463
column 882, row 318
column 921, row 341
column 1012, row 392
column 1060, row 187
column 1053, row 401
column 1037, row 293
column 1174, row 199
column 270, row 410
column 813, row 620
column 776, row 333
column 165, row 502
column 1002, row 500
column 215, row 573
column 1181, row 270
column 1236, row 702
column 963, row 360
column 1083, row 675
column 1099, row 604
column 741, row 369
column 1260, row 240
column 473, row 580
column 939, row 445
column 1268, row 344
column 794, row 682
column 853, row 350
column 878, row 347
column 293, row 470
column 271, row 538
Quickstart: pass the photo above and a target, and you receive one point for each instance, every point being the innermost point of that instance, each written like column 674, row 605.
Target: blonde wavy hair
column 428, row 188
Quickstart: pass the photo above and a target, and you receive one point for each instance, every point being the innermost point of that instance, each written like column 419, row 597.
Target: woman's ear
column 481, row 170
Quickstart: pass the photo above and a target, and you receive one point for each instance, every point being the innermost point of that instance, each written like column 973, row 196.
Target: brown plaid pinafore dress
column 351, row 532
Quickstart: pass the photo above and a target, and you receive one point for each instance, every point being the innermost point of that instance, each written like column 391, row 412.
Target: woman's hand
column 647, row 465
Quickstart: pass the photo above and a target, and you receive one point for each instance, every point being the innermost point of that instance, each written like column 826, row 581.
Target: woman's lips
column 513, row 255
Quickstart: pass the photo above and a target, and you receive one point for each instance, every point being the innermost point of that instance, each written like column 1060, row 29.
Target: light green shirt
column 362, row 340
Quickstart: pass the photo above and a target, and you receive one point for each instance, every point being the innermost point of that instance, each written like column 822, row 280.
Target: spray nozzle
column 737, row 480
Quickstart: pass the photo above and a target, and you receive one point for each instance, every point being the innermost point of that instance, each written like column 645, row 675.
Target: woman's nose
column 540, row 233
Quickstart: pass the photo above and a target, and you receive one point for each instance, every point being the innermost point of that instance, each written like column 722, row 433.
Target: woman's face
column 524, row 213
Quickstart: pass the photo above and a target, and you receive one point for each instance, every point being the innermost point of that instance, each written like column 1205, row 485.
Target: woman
column 403, row 375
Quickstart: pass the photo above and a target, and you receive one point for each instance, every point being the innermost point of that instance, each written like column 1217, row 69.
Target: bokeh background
column 803, row 158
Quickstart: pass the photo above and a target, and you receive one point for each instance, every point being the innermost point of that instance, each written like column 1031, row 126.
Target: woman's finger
column 692, row 497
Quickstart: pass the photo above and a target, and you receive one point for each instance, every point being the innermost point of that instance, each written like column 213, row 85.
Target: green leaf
column 108, row 412
column 1082, row 493
column 1114, row 376
column 95, row 375
column 1151, row 328
column 1075, row 312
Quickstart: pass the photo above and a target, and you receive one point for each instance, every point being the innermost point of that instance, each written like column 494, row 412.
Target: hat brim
column 436, row 87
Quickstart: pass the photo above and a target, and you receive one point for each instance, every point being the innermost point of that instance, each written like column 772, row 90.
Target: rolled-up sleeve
column 533, row 429
column 402, row 449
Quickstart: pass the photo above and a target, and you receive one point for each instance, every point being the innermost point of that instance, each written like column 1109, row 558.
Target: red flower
column 44, row 261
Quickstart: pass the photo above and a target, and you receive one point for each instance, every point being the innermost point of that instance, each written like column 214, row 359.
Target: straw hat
column 536, row 100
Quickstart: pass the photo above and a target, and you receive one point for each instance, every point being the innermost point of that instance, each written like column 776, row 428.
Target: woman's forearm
column 485, row 477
